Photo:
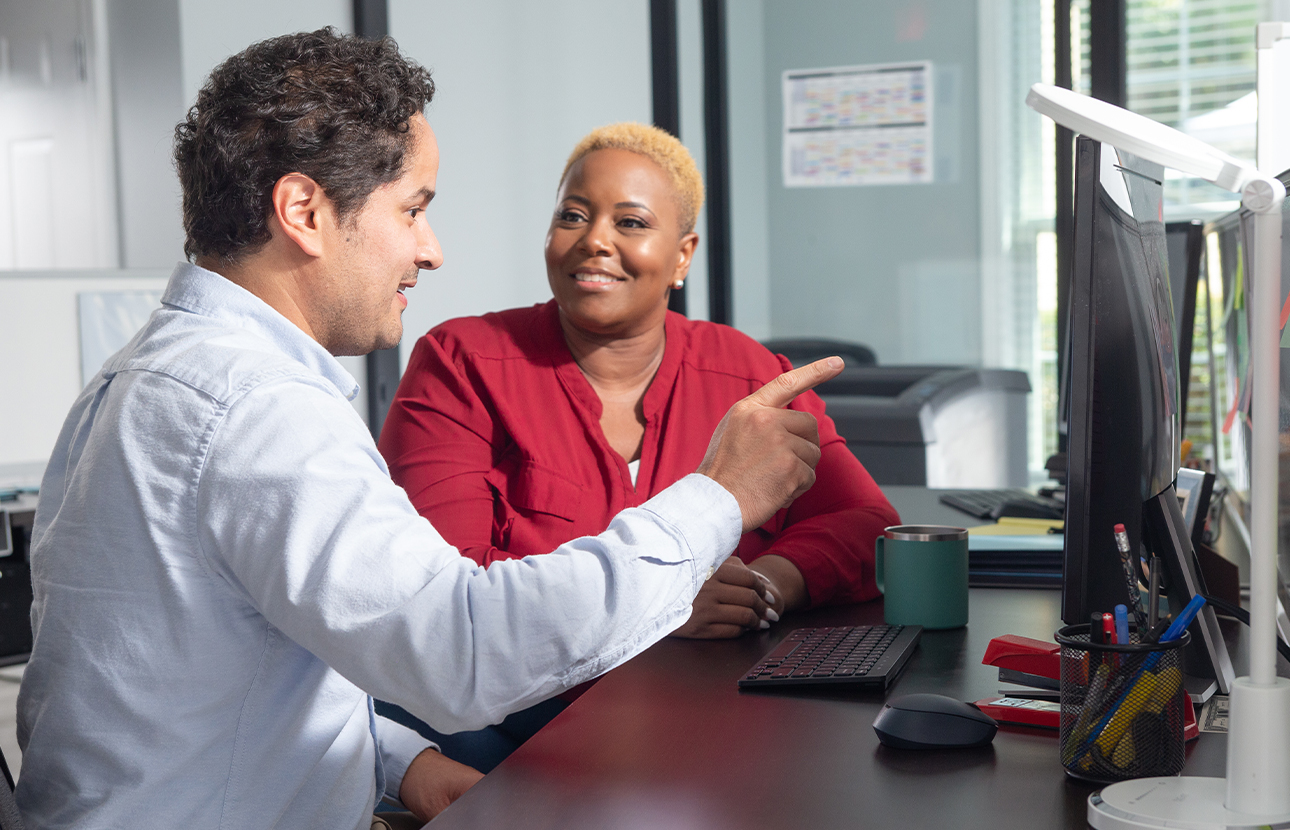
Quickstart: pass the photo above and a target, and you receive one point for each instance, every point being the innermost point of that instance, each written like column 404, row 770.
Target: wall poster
column 858, row 125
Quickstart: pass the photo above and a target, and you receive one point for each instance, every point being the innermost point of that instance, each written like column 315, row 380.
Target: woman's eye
column 631, row 222
column 570, row 216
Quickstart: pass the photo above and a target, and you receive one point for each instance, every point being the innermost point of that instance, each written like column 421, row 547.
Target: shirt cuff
column 707, row 516
column 397, row 745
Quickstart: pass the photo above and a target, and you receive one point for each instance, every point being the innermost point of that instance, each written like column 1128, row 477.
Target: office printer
column 935, row 426
column 16, row 519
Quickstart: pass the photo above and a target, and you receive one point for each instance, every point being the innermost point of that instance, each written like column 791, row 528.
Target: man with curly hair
column 224, row 573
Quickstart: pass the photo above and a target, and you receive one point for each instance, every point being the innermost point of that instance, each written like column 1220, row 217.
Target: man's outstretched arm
column 298, row 516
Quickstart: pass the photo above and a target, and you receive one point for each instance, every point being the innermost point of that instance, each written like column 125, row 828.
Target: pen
column 1108, row 629
column 1121, row 625
column 1174, row 631
column 1130, row 574
column 1084, row 724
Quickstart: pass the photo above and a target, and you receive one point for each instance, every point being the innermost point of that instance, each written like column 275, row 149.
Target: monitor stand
column 1199, row 689
column 1206, row 660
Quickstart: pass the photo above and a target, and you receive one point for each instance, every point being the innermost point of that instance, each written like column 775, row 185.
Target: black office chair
column 803, row 350
column 9, row 818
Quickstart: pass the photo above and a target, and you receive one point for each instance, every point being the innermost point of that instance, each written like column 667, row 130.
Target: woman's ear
column 684, row 253
column 298, row 207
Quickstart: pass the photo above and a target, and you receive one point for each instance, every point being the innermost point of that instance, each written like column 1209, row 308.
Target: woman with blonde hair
column 520, row 430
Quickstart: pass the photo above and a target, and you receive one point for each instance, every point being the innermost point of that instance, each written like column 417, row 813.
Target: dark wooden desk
column 668, row 741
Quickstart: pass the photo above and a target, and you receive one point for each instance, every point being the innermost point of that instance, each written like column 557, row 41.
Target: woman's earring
column 678, row 283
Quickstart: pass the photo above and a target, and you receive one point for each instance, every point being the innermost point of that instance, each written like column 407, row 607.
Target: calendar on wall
column 858, row 125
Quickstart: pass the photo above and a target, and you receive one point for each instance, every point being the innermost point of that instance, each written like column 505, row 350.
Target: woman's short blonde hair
column 658, row 146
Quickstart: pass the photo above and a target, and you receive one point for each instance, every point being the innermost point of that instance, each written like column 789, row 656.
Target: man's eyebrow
column 423, row 193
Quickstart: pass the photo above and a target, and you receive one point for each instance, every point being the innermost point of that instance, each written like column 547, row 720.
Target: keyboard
column 984, row 504
column 864, row 656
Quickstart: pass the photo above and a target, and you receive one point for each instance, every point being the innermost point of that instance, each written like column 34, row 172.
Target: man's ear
column 301, row 211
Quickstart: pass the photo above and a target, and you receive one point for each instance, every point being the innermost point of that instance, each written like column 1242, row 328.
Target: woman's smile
column 596, row 280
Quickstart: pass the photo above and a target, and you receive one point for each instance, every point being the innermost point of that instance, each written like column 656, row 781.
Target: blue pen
column 1122, row 624
column 1179, row 625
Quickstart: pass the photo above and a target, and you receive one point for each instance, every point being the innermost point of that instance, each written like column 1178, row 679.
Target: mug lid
column 925, row 533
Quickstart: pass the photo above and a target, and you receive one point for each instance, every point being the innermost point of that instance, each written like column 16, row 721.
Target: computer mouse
column 924, row 721
column 1022, row 509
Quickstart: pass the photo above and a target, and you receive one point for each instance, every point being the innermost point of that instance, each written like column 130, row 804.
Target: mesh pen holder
column 1122, row 707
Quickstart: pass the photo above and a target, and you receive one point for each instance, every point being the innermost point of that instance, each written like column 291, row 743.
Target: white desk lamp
column 1256, row 791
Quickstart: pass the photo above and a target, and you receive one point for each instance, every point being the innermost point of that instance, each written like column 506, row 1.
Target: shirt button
column 711, row 571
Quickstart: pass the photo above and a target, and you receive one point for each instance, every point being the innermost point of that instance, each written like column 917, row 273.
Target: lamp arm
column 1263, row 196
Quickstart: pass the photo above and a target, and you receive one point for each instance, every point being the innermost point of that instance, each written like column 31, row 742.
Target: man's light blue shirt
column 224, row 572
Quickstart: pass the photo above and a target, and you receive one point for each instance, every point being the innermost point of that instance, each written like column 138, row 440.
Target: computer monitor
column 1124, row 416
column 1230, row 325
column 1185, row 249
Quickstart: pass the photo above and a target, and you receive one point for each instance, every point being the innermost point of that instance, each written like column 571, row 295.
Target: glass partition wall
column 958, row 265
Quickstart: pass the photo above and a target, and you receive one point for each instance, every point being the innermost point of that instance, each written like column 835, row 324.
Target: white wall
column 144, row 47
column 210, row 32
column 41, row 374
column 689, row 47
column 749, row 185
column 518, row 84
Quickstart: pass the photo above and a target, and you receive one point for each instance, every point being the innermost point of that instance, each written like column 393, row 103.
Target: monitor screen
column 1231, row 331
column 1185, row 247
column 1123, row 417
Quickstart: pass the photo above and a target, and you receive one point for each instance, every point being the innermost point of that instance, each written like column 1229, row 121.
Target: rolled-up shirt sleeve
column 296, row 512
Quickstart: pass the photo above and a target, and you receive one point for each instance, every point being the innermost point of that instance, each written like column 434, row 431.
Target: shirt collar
column 199, row 291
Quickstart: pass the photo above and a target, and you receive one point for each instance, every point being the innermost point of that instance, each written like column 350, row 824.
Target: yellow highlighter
column 1167, row 684
column 1135, row 701
column 1125, row 751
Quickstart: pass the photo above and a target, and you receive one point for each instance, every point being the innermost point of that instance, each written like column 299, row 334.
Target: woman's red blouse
column 495, row 434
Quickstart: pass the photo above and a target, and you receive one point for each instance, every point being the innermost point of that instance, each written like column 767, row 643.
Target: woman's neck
column 614, row 364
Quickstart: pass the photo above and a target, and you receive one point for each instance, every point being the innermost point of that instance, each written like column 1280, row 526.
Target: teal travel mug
column 922, row 571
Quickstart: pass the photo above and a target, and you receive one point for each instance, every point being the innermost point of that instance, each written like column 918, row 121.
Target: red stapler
column 1025, row 661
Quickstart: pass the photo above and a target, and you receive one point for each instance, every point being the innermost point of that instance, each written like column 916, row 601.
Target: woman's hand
column 732, row 601
column 783, row 580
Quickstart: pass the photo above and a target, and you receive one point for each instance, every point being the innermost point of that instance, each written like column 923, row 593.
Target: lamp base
column 1175, row 803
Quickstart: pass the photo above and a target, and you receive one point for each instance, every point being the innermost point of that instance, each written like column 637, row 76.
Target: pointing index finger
column 781, row 391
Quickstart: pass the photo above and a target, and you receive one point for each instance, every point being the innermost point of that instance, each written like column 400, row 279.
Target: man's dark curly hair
column 333, row 107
